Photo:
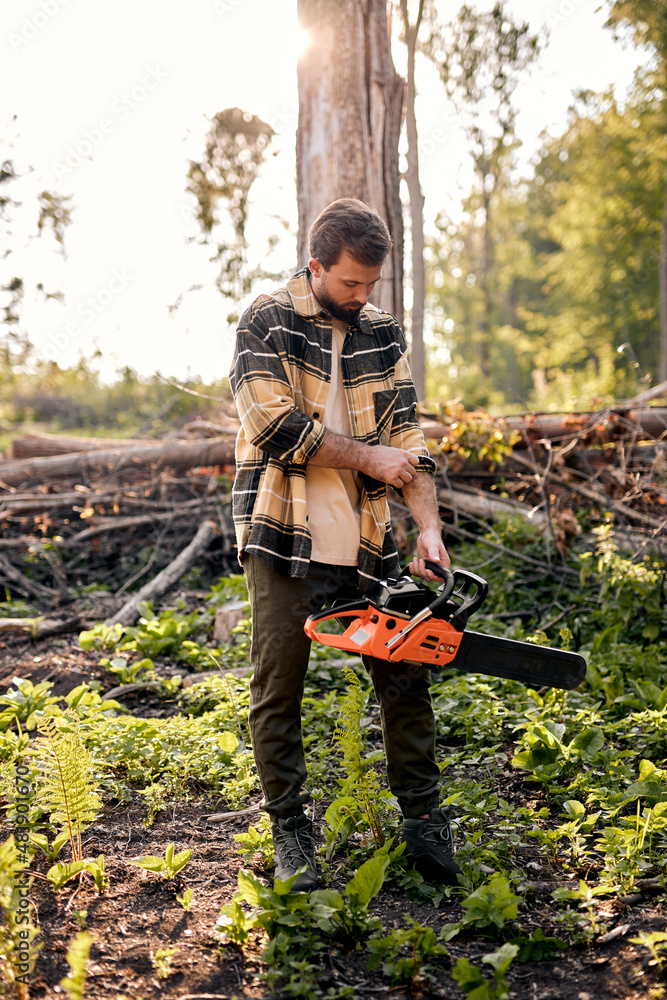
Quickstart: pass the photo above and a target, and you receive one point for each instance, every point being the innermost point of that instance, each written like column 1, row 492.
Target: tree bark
column 350, row 108
column 173, row 454
column 662, row 359
column 417, row 356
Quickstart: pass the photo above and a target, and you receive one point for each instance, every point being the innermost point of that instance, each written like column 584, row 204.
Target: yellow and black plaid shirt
column 280, row 379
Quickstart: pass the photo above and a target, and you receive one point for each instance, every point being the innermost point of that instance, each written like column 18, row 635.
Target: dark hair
column 348, row 224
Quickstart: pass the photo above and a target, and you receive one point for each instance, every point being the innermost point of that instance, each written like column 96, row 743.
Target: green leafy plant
column 361, row 794
column 129, row 673
column 489, row 906
column 472, row 982
column 186, row 900
column 656, row 943
column 419, row 941
column 65, row 787
column 162, row 961
column 168, row 867
column 258, row 840
column 17, row 933
column 26, row 703
column 74, row 983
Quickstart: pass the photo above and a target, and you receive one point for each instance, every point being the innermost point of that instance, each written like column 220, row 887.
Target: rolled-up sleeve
column 405, row 430
column 265, row 400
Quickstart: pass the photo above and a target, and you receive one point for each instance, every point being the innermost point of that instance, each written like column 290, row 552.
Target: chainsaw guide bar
column 403, row 620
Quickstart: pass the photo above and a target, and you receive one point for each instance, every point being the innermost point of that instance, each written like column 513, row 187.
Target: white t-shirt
column 332, row 495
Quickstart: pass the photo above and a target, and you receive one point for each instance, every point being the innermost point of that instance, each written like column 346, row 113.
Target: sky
column 107, row 102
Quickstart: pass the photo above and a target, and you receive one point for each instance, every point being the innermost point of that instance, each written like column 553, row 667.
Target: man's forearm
column 340, row 452
column 420, row 496
column 394, row 466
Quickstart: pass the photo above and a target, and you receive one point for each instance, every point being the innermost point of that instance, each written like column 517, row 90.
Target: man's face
column 345, row 288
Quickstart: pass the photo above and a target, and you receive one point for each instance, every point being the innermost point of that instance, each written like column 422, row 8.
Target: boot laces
column 294, row 846
column 439, row 832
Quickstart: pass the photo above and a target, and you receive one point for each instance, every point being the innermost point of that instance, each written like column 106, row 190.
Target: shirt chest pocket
column 384, row 402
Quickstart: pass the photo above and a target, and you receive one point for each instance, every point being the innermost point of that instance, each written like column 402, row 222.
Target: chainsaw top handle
column 461, row 594
column 442, row 597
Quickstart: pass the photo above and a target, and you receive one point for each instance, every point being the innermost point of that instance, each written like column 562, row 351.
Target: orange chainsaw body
column 434, row 641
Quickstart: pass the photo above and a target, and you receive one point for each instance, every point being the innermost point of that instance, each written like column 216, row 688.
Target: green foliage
column 471, row 979
column 567, row 316
column 162, row 962
column 63, row 872
column 186, row 900
column 474, row 435
column 65, row 789
column 25, row 704
column 168, row 867
column 74, row 983
column 491, row 905
column 258, row 840
column 235, row 148
column 361, row 796
column 656, row 942
column 17, row 945
column 389, row 951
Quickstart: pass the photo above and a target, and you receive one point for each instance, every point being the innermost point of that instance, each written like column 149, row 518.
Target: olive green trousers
column 279, row 655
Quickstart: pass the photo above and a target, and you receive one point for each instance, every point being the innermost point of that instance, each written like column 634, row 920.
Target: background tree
column 18, row 230
column 350, row 105
column 481, row 56
column 416, row 202
column 575, row 272
column 647, row 19
column 235, row 150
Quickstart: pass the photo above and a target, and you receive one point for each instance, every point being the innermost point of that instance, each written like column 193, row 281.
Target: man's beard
column 343, row 313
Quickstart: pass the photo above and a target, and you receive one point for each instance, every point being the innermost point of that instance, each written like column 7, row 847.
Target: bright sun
column 302, row 40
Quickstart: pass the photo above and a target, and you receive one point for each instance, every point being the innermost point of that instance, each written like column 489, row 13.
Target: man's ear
column 315, row 267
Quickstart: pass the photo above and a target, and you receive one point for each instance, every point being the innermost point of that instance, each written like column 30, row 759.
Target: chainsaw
column 402, row 619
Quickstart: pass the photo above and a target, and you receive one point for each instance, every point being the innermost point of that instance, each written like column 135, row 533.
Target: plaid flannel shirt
column 280, row 379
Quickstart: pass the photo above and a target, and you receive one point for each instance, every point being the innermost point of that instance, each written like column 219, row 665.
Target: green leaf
column 368, row 880
column 588, row 742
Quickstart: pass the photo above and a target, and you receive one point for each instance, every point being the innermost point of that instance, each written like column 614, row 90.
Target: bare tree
column 350, row 107
column 417, row 358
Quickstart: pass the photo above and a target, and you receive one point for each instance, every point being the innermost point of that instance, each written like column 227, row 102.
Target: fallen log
column 41, row 628
column 596, row 428
column 44, row 445
column 83, row 465
column 487, row 508
column 166, row 579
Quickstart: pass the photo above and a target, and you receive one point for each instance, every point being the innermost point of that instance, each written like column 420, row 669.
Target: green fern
column 65, row 789
column 362, row 781
column 77, row 959
column 17, row 947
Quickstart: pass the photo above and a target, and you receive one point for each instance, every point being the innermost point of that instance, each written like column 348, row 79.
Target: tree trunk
column 417, row 357
column 350, row 107
column 662, row 358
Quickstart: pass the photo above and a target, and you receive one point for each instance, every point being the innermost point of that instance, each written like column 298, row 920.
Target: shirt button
column 315, row 415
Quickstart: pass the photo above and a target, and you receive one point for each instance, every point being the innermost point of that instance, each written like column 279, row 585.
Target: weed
column 77, row 958
column 168, row 867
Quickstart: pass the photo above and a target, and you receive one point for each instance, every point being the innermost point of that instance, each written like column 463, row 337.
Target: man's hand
column 390, row 465
column 429, row 546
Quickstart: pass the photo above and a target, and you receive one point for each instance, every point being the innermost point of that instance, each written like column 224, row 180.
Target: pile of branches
column 610, row 464
column 115, row 514
column 139, row 514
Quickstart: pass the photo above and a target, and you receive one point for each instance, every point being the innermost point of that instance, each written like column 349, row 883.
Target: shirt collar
column 305, row 303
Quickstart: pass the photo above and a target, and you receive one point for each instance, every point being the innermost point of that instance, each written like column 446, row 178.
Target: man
column 327, row 407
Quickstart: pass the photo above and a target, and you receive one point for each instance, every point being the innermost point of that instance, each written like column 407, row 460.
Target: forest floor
column 140, row 913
